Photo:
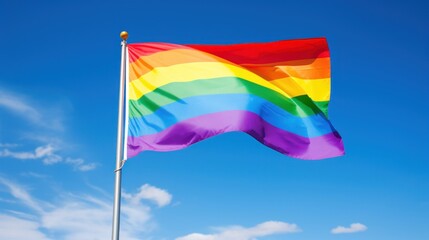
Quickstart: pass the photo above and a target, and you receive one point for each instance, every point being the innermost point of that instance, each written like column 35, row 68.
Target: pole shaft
column 119, row 149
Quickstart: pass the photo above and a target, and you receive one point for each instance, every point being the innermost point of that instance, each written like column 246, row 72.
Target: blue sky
column 58, row 106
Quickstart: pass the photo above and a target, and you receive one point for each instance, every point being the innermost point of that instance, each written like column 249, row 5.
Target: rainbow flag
column 276, row 92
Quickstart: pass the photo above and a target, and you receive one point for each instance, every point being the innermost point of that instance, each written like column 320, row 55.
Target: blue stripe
column 186, row 108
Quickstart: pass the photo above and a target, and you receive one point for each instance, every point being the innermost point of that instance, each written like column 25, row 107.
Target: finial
column 124, row 35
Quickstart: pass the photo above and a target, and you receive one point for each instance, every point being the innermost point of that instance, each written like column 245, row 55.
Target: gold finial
column 124, row 35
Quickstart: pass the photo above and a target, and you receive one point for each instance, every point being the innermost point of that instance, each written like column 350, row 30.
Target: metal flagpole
column 119, row 143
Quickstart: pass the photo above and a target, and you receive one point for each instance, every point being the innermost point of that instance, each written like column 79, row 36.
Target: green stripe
column 301, row 106
column 323, row 106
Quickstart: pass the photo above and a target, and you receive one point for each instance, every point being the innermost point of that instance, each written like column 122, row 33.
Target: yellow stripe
column 187, row 72
column 167, row 58
column 316, row 89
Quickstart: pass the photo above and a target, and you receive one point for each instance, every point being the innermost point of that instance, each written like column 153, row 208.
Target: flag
column 276, row 92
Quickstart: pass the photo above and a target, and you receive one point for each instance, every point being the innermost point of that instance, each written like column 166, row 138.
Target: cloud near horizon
column 75, row 217
column 353, row 228
column 242, row 233
column 13, row 228
column 148, row 192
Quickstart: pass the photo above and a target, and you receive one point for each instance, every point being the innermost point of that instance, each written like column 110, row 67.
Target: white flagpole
column 119, row 142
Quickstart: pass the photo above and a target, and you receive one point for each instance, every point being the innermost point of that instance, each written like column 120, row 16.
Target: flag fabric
column 276, row 92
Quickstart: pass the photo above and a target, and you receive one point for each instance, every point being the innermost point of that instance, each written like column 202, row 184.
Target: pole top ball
column 124, row 35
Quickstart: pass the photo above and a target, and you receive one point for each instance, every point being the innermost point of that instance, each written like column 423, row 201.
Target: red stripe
column 246, row 53
column 260, row 53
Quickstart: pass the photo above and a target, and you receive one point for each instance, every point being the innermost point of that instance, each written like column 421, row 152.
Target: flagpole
column 119, row 143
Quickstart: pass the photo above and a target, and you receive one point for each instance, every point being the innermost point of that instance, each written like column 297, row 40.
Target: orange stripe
column 137, row 50
column 146, row 64
column 305, row 69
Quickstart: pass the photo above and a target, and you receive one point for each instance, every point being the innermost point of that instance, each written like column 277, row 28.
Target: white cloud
column 197, row 236
column 17, row 155
column 77, row 217
column 79, row 164
column 241, row 233
column 46, row 152
column 354, row 227
column 52, row 159
column 12, row 228
column 87, row 167
column 157, row 195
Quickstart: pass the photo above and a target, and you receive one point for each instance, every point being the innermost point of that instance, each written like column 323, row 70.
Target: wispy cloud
column 353, row 228
column 45, row 124
column 242, row 233
column 34, row 175
column 8, row 145
column 79, row 164
column 48, row 155
column 22, row 195
column 77, row 217
column 21, row 107
column 13, row 228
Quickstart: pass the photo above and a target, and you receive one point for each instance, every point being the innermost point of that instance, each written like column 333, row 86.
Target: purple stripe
column 185, row 133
